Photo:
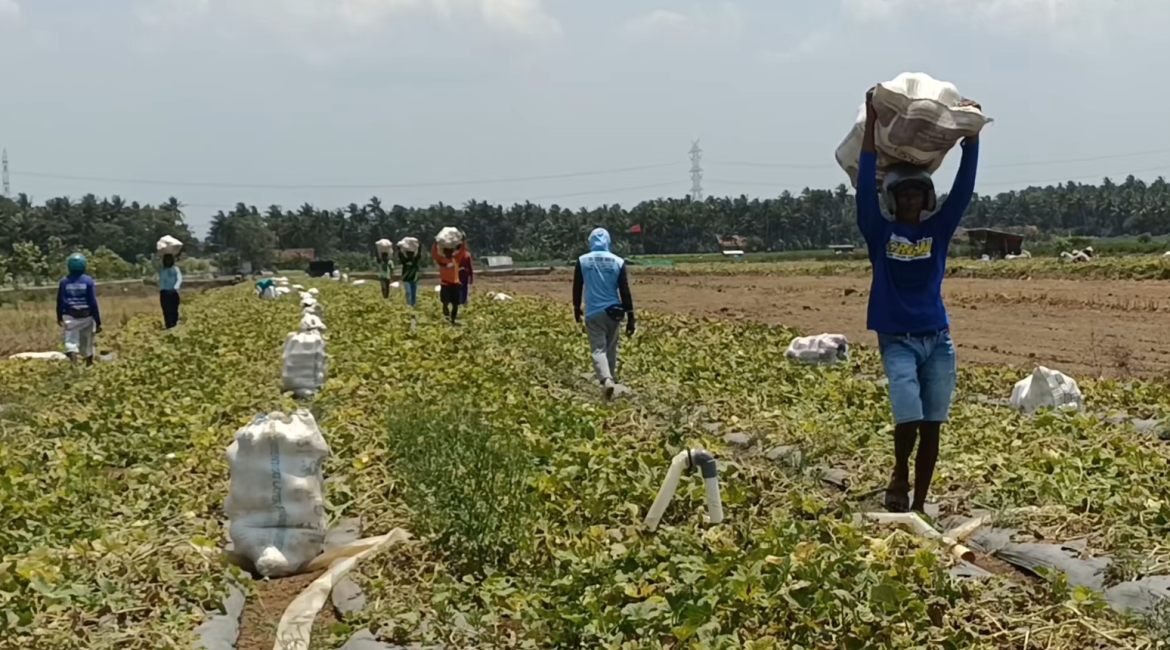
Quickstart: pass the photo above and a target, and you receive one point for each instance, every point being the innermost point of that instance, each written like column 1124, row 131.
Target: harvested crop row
column 526, row 492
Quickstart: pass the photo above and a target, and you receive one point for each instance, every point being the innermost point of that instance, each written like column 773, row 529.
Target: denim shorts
column 922, row 375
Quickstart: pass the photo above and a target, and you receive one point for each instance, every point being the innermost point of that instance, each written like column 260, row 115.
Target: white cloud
column 1063, row 20
column 809, row 47
column 664, row 26
column 9, row 11
column 525, row 18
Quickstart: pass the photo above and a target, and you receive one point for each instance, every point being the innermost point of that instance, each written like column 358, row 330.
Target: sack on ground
column 384, row 246
column 305, row 363
column 449, row 238
column 825, row 349
column 1046, row 388
column 409, row 244
column 276, row 500
column 312, row 322
column 919, row 122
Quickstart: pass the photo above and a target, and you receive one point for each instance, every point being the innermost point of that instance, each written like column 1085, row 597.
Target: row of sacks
column 1045, row 388
column 305, row 365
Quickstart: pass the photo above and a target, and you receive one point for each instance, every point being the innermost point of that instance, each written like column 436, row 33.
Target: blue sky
column 282, row 97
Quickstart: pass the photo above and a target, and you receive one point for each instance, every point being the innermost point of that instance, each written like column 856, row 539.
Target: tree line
column 812, row 219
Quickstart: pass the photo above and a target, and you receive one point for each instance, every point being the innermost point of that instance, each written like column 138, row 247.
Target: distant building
column 995, row 244
column 842, row 249
column 500, row 262
column 293, row 254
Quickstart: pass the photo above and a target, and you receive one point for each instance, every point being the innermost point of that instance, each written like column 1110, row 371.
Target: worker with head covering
column 170, row 280
column 600, row 277
column 908, row 251
column 77, row 310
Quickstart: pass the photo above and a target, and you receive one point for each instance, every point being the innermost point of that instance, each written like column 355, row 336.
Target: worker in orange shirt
column 451, row 290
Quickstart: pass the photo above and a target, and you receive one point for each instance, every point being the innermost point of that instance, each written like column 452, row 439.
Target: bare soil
column 266, row 605
column 1082, row 327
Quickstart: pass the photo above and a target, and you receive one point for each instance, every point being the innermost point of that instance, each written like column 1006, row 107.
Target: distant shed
column 995, row 244
column 500, row 262
column 842, row 249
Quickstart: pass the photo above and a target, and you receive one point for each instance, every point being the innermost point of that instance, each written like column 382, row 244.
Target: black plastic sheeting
column 1137, row 596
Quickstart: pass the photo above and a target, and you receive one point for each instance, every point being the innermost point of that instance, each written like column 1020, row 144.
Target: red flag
column 636, row 230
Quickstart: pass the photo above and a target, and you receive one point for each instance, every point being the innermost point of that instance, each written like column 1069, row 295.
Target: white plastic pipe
column 683, row 461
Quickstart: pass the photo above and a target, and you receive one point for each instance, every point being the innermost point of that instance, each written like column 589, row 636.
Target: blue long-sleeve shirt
column 909, row 262
column 77, row 295
column 170, row 278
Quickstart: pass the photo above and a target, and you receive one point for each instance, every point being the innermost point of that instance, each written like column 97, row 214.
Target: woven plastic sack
column 919, row 121
column 276, row 500
column 1046, row 388
column 305, row 363
column 168, row 246
column 312, row 323
column 409, row 244
column 384, row 246
column 824, row 349
column 449, row 238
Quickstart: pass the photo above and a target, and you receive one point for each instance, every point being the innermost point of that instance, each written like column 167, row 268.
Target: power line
column 311, row 186
column 1037, row 163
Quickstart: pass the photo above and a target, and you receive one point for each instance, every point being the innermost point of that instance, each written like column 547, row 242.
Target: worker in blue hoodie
column 77, row 310
column 601, row 277
column 908, row 250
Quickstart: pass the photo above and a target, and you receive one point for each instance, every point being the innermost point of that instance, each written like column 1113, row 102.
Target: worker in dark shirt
column 908, row 252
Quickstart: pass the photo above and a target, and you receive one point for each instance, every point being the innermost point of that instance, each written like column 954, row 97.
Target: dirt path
column 1081, row 327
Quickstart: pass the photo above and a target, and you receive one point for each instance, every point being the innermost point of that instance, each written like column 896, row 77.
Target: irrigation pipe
column 952, row 539
column 297, row 622
column 686, row 460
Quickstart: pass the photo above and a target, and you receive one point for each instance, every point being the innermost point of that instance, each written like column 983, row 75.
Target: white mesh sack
column 919, row 121
column 822, row 349
column 384, row 246
column 305, row 364
column 1046, row 388
column 276, row 500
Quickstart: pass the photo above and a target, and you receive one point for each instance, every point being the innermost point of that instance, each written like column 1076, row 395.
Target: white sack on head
column 1046, row 388
column 384, row 246
column 168, row 246
column 919, row 121
column 449, row 237
column 409, row 244
column 276, row 499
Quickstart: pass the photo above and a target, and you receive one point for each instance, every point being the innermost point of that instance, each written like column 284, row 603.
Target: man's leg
column 937, row 377
column 598, row 330
column 613, row 341
column 385, row 289
column 900, row 360
column 162, row 302
column 85, row 343
column 72, row 339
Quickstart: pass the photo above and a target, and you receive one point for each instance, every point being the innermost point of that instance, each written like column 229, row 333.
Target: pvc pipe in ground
column 683, row 461
column 923, row 529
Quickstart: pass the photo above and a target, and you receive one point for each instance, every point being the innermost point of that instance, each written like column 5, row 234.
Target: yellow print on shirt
column 904, row 250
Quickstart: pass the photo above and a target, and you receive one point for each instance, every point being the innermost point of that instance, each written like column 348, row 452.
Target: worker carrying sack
column 276, row 500
column 920, row 119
